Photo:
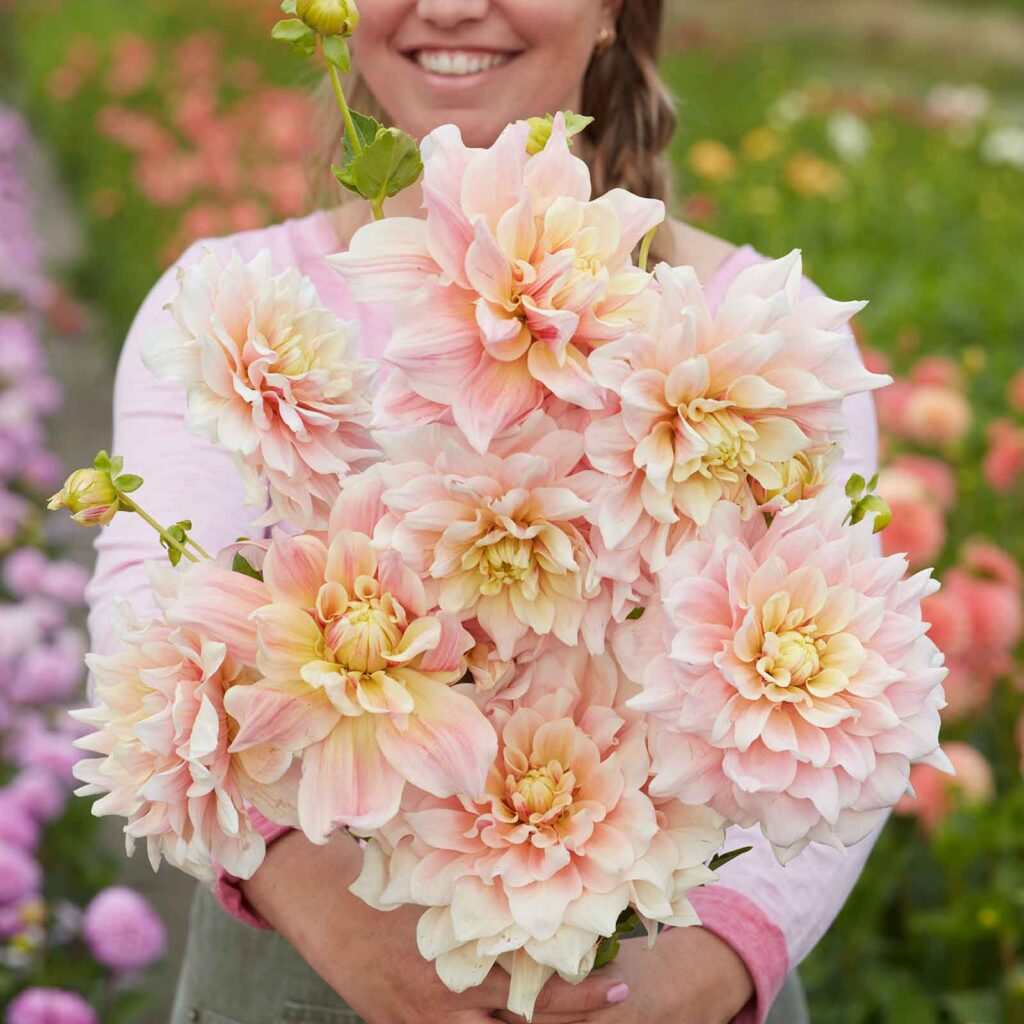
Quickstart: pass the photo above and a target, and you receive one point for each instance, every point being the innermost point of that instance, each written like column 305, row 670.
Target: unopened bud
column 329, row 17
column 89, row 495
column 540, row 129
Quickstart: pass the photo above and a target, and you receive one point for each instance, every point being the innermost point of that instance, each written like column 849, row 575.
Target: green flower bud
column 89, row 495
column 329, row 17
column 540, row 129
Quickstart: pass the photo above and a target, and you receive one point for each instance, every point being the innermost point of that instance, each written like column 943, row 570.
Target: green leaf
column 637, row 613
column 290, row 6
column 173, row 553
column 116, row 465
column 102, row 460
column 240, row 564
column 366, row 131
column 607, row 951
column 299, row 36
column 883, row 514
column 128, row 482
column 388, row 164
column 855, row 486
column 336, row 53
column 723, row 858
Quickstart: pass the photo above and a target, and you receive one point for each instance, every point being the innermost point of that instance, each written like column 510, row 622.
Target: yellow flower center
column 791, row 658
column 359, row 627
column 542, row 794
column 293, row 355
column 729, row 444
column 500, row 563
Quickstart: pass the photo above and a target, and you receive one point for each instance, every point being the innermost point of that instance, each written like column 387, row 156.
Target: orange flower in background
column 712, row 160
column 809, row 175
column 1015, row 391
column 761, row 144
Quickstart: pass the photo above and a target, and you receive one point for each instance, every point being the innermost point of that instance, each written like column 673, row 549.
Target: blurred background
column 883, row 137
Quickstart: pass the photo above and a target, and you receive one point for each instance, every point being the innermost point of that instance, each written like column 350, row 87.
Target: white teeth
column 458, row 62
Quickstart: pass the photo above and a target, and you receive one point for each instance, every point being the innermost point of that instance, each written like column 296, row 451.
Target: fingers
column 601, row 990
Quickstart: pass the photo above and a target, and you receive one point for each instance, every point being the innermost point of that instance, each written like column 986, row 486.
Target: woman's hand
column 370, row 958
column 690, row 977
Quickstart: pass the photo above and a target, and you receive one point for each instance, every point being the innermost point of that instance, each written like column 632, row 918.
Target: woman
column 478, row 64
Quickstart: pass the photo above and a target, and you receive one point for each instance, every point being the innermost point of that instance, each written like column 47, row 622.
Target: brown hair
column 634, row 115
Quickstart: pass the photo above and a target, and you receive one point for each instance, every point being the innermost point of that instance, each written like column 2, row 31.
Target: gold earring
column 605, row 39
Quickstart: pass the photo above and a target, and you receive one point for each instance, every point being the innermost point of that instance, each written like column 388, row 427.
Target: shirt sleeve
column 184, row 476
column 773, row 916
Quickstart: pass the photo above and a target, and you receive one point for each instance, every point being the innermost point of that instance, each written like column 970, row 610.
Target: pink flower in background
column 939, row 370
column 50, row 1006
column 357, row 669
column 20, row 875
column 65, row 582
column 123, row 931
column 49, row 750
column 535, row 870
column 273, row 377
column 518, row 276
column 934, row 415
column 937, row 794
column 23, row 571
column 918, row 527
column 38, row 793
column 162, row 734
column 131, row 66
column 18, row 827
column 989, row 561
column 50, row 673
column 1003, row 465
column 499, row 532
column 710, row 407
column 799, row 686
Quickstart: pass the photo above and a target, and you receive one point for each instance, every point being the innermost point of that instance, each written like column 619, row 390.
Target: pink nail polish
column 618, row 993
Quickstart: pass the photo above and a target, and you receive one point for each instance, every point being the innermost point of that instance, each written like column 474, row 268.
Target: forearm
column 301, row 884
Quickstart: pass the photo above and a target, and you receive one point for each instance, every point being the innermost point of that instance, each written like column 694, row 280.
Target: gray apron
column 236, row 974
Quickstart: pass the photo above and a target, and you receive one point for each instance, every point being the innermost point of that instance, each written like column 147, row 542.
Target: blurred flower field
column 899, row 174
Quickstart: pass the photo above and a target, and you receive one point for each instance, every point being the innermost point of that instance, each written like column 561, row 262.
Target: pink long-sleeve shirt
column 772, row 916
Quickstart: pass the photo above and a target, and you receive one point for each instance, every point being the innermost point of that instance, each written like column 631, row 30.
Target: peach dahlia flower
column 273, row 377
column 739, row 406
column 532, row 873
column 162, row 734
column 356, row 679
column 800, row 685
column 498, row 533
column 515, row 275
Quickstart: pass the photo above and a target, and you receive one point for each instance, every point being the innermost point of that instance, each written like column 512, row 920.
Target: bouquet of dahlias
column 552, row 597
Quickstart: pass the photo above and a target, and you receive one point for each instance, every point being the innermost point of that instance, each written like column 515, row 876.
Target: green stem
column 189, row 540
column 145, row 516
column 350, row 127
column 645, row 247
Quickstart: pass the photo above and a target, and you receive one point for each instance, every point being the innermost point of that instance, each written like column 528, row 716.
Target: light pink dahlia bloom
column 800, row 685
column 739, row 406
column 162, row 734
column 357, row 670
column 535, row 871
column 273, row 377
column 515, row 275
column 498, row 532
